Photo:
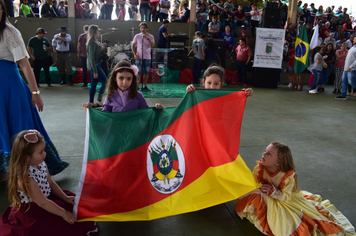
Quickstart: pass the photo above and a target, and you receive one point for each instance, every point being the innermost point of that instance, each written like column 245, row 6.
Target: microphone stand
column 142, row 63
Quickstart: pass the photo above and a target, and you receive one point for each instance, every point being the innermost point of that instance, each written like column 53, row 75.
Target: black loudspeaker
column 220, row 43
column 175, row 58
column 266, row 78
column 271, row 18
column 271, row 5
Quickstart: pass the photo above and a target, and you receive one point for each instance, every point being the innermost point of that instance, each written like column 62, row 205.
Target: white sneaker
column 290, row 85
column 314, row 91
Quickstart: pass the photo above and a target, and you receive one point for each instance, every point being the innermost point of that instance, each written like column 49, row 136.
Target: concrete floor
column 319, row 130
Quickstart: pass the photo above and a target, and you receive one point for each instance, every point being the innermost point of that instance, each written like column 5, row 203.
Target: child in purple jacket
column 122, row 90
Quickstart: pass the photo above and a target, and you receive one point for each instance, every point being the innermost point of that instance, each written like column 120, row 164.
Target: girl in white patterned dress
column 38, row 205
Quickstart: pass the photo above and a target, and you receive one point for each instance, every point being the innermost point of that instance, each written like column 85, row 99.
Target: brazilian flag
column 301, row 51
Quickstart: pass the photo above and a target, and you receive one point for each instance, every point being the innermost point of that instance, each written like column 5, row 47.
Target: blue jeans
column 348, row 77
column 183, row 20
column 317, row 78
column 201, row 25
column 326, row 73
column 85, row 70
column 198, row 64
column 145, row 13
column 108, row 11
column 242, row 71
column 94, row 82
column 153, row 16
column 146, row 66
column 347, row 34
column 239, row 23
column 163, row 16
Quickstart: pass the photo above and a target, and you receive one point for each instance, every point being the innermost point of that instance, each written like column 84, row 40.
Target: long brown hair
column 285, row 160
column 111, row 84
column 19, row 179
column 3, row 18
column 91, row 33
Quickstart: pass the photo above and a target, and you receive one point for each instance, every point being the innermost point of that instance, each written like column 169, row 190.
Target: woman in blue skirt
column 18, row 101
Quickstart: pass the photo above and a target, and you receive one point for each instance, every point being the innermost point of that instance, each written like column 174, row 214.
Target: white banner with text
column 269, row 48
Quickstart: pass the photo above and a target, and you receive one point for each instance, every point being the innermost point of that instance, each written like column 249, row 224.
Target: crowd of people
column 335, row 37
column 220, row 21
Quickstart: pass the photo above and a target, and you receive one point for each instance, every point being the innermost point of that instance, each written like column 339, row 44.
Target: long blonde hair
column 91, row 33
column 285, row 160
column 19, row 179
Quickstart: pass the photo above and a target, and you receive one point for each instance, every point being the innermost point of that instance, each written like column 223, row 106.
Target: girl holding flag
column 214, row 78
column 123, row 94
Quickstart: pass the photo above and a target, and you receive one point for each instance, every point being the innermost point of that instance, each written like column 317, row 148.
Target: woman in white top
column 18, row 101
column 255, row 19
column 94, row 9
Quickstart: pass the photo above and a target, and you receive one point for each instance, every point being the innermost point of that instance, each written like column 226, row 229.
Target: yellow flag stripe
column 217, row 185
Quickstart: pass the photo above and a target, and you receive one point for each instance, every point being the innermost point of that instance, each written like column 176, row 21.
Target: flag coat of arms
column 301, row 59
column 147, row 163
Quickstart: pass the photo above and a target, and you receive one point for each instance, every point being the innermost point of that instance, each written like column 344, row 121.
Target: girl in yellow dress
column 280, row 208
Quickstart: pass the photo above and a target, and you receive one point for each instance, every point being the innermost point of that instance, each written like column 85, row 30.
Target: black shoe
column 63, row 82
column 319, row 89
column 340, row 98
column 335, row 91
column 38, row 86
column 145, row 89
column 322, row 89
column 339, row 91
column 49, row 85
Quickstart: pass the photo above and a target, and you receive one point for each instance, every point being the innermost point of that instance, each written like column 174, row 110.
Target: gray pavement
column 319, row 130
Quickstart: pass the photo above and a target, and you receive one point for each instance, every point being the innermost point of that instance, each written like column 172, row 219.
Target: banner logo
column 160, row 69
column 269, row 47
column 165, row 164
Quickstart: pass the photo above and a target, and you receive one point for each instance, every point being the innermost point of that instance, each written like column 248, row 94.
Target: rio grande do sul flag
column 147, row 164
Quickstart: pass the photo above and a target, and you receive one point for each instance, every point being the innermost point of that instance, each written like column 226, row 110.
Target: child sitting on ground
column 38, row 204
column 278, row 207
column 214, row 78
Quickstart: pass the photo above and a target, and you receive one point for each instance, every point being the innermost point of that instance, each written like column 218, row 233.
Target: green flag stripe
column 134, row 128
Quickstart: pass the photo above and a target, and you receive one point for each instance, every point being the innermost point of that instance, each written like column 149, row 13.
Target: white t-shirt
column 348, row 44
column 164, row 3
column 174, row 8
column 256, row 17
